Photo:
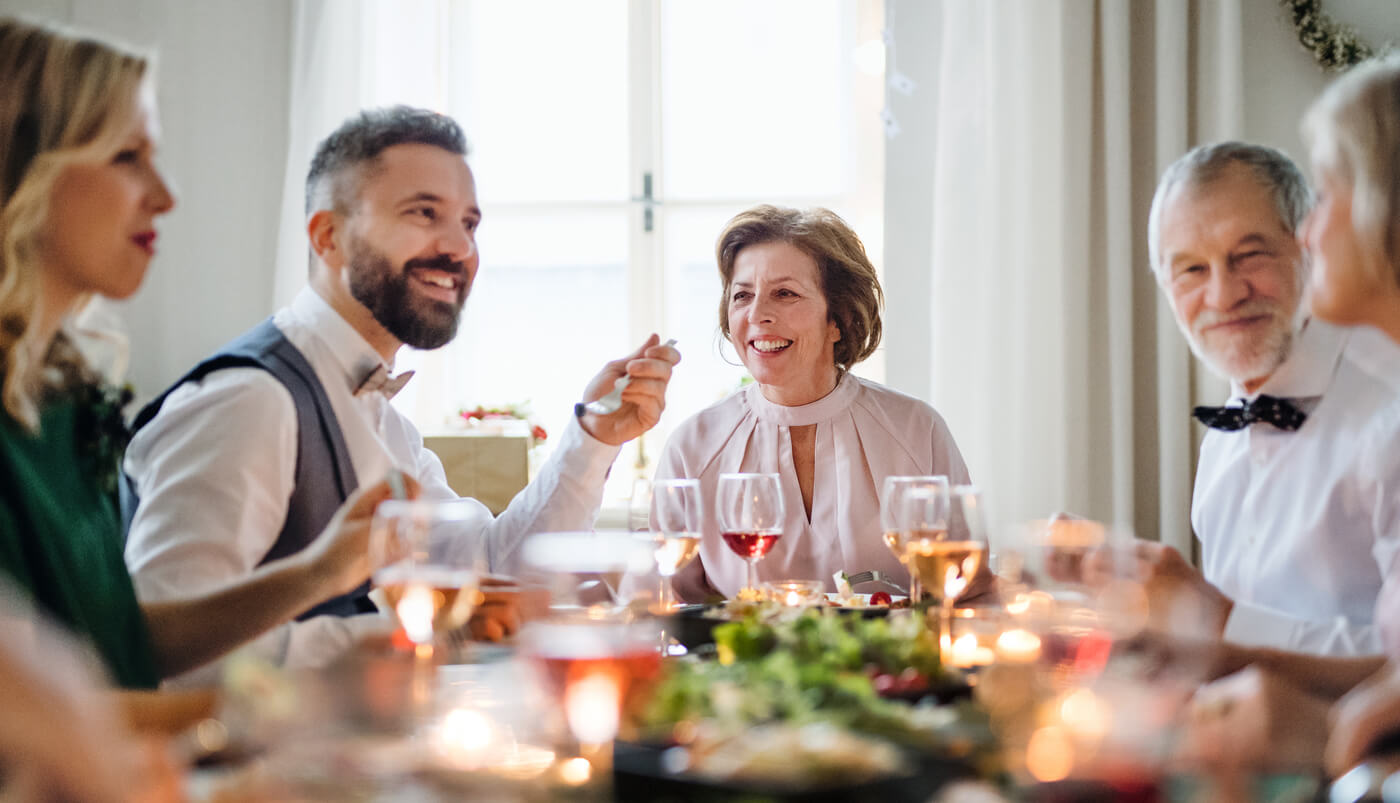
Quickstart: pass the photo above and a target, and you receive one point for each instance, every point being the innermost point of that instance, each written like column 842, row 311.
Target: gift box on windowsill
column 489, row 467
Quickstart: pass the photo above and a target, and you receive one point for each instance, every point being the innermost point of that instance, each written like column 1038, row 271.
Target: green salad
column 816, row 666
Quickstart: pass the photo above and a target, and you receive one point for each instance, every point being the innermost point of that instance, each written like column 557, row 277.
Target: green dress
column 61, row 536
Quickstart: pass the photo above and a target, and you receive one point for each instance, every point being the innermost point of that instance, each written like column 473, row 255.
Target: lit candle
column 967, row 653
column 793, row 598
column 1018, row 646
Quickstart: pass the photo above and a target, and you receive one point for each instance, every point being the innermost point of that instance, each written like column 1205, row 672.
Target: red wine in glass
column 751, row 545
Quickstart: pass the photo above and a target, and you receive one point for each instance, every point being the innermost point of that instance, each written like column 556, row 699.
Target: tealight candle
column 966, row 653
column 795, row 593
column 1018, row 646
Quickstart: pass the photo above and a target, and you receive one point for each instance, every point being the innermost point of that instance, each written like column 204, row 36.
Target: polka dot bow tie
column 379, row 381
column 1282, row 413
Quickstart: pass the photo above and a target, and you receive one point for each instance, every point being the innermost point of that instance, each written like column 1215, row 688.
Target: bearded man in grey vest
column 243, row 459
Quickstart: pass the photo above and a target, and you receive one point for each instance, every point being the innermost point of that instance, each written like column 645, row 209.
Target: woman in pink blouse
column 801, row 306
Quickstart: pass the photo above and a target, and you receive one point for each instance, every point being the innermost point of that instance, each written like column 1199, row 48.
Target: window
column 611, row 140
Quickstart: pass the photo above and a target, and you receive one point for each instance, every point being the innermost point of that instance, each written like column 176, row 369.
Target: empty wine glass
column 427, row 567
column 677, row 515
column 750, row 511
column 893, row 515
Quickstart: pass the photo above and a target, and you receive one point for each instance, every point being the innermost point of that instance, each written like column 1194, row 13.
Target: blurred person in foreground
column 1293, row 502
column 61, row 736
column 801, row 306
column 391, row 222
column 79, row 197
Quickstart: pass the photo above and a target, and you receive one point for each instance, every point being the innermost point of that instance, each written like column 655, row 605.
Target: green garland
column 1335, row 46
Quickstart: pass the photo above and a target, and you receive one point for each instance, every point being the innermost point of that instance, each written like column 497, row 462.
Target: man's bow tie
column 379, row 381
column 1282, row 413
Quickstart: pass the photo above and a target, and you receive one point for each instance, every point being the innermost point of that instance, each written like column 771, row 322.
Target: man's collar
column 357, row 358
column 1308, row 369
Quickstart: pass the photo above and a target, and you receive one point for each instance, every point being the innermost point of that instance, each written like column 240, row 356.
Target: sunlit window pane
column 710, row 370
column 754, row 98
column 548, row 308
column 541, row 88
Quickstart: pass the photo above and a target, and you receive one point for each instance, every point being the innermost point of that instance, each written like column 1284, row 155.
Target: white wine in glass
column 427, row 566
column 677, row 516
column 896, row 522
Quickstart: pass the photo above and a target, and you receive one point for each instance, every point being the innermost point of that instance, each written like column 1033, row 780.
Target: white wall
column 223, row 94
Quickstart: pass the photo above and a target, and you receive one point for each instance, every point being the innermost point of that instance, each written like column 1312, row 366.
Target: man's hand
column 643, row 399
column 505, row 607
column 1178, row 597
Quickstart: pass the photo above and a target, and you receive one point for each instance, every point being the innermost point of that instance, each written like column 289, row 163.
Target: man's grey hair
column 1207, row 163
column 358, row 142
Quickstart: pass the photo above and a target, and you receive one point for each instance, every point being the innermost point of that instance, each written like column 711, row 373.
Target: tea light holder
column 796, row 593
column 972, row 637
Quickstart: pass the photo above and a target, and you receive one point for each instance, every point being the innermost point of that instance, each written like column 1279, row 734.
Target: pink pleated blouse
column 865, row 432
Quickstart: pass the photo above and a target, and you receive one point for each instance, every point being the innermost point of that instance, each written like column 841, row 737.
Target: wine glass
column 750, row 511
column 596, row 661
column 893, row 512
column 946, row 545
column 677, row 515
column 428, row 569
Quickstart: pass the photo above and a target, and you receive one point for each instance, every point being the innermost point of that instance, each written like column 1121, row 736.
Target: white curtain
column 1054, row 360
column 349, row 55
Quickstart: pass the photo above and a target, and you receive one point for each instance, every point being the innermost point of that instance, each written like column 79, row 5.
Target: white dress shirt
column 1298, row 528
column 865, row 432
column 215, row 471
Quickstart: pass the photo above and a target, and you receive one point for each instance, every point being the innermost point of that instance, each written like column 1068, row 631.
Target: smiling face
column 1233, row 274
column 99, row 234
column 779, row 325
column 410, row 243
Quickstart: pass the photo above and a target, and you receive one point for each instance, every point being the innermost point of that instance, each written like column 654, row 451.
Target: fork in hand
column 609, row 404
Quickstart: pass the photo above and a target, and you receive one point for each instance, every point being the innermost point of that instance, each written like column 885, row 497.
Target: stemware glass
column 677, row 515
column 596, row 661
column 946, row 545
column 428, row 569
column 894, row 514
column 750, row 511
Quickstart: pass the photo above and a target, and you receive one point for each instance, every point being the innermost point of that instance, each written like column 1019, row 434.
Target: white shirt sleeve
column 214, row 472
column 565, row 495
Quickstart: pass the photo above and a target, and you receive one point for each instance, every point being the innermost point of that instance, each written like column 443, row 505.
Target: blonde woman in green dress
column 79, row 199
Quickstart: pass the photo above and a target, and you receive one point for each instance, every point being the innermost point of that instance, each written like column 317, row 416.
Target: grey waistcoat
column 324, row 474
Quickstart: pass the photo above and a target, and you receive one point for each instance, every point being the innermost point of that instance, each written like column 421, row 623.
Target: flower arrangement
column 102, row 431
column 510, row 412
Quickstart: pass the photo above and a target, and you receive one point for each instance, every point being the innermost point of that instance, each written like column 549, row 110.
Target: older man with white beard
column 1291, row 503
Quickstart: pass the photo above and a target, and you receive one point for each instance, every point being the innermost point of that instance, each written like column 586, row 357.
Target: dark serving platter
column 639, row 775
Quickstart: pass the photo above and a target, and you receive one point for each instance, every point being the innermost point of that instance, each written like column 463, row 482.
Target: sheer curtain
column 347, row 56
column 1054, row 360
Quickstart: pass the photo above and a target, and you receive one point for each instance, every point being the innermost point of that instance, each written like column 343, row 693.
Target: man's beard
column 1240, row 359
column 423, row 323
